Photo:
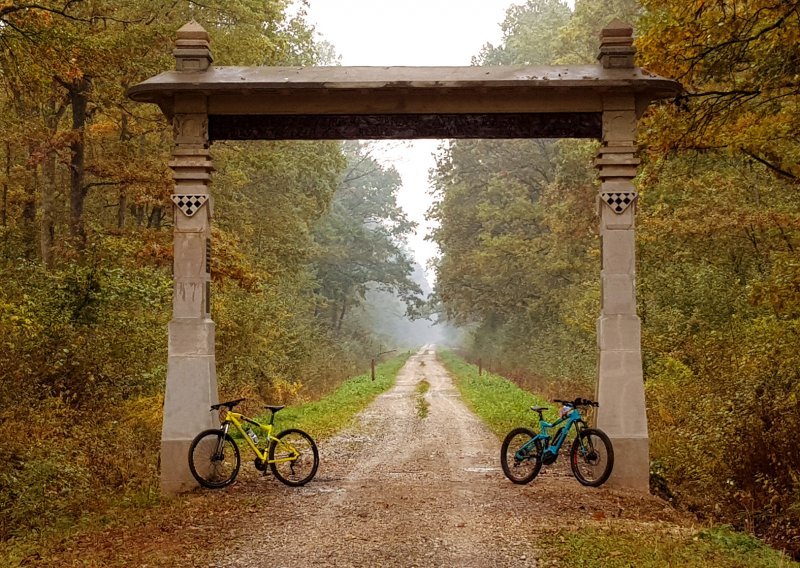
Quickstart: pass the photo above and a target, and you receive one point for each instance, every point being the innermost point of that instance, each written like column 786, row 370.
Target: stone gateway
column 207, row 103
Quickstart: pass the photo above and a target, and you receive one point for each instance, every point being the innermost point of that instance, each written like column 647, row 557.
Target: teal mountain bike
column 591, row 456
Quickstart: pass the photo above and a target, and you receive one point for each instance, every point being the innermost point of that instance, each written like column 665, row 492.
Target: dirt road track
column 401, row 490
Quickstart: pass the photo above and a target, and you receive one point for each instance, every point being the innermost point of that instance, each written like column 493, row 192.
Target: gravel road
column 400, row 489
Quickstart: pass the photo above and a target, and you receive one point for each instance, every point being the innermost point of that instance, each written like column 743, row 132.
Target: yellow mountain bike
column 214, row 458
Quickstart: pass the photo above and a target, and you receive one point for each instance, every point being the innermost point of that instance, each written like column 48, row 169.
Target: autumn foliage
column 86, row 249
column 718, row 233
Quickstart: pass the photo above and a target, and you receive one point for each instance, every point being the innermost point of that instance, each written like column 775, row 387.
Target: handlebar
column 578, row 402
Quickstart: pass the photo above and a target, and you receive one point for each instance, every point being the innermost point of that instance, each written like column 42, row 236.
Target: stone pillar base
column 175, row 475
column 631, row 465
column 191, row 390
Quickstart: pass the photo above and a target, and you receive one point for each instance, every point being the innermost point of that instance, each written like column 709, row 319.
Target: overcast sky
column 410, row 32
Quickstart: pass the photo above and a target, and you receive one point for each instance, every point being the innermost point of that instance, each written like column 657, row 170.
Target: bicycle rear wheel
column 521, row 458
column 214, row 459
column 293, row 457
column 591, row 457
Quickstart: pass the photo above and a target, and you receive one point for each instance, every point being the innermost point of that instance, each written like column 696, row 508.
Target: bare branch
column 770, row 165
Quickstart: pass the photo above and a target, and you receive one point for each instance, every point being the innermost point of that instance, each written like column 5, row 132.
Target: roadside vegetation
column 84, row 535
column 328, row 415
column 502, row 405
column 497, row 401
column 613, row 546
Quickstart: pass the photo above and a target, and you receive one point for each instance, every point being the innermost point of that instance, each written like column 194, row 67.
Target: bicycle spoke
column 592, row 458
column 214, row 459
column 293, row 457
column 520, row 456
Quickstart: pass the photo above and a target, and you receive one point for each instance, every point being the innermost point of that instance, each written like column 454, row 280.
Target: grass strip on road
column 325, row 417
column 501, row 404
column 422, row 405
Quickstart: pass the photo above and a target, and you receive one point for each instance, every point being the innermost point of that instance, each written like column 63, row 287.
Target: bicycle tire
column 591, row 462
column 214, row 459
column 301, row 470
column 512, row 467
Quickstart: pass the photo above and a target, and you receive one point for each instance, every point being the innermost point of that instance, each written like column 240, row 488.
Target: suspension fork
column 226, row 426
column 586, row 445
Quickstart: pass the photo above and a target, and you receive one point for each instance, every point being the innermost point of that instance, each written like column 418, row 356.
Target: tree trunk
column 5, row 185
column 154, row 220
column 122, row 207
column 29, row 214
column 138, row 214
column 47, row 231
column 341, row 315
column 122, row 202
column 78, row 95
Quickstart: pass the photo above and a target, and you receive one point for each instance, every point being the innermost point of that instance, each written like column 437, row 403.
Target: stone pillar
column 191, row 368
column 620, row 387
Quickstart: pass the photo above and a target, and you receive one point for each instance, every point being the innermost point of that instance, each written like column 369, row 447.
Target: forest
column 310, row 247
column 305, row 231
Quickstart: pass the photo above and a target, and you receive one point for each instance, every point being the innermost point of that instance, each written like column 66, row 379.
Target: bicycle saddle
column 274, row 409
column 230, row 404
column 538, row 408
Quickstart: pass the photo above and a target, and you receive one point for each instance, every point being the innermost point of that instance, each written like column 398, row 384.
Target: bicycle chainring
column 260, row 464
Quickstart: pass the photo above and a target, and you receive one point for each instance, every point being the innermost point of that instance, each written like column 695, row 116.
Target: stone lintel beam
column 404, row 126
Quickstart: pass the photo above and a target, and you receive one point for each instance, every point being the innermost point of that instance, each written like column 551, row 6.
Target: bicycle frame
column 551, row 447
column 238, row 420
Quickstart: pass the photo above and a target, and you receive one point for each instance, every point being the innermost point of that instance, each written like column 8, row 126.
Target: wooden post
column 372, row 368
column 480, row 367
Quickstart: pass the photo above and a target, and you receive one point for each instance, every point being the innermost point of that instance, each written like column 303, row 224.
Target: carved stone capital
column 617, row 162
column 190, row 129
column 619, row 127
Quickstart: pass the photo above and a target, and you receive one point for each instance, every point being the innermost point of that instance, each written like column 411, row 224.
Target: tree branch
column 770, row 165
column 88, row 186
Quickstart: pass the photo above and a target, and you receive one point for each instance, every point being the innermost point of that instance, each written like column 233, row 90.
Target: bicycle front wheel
column 293, row 457
column 521, row 455
column 214, row 459
column 591, row 457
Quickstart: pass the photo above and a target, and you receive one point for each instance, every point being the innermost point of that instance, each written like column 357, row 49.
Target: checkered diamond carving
column 189, row 204
column 619, row 201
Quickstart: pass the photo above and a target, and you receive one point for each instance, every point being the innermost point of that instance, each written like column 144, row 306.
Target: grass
column 422, row 405
column 718, row 547
column 325, row 417
column 496, row 400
